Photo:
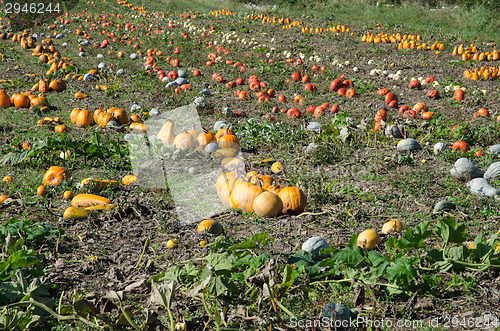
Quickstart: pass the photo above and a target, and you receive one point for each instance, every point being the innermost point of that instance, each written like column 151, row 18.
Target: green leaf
column 353, row 241
column 258, row 240
column 449, row 231
column 302, row 258
column 380, row 262
column 414, row 237
column 458, row 253
column 353, row 258
column 391, row 243
column 480, row 248
column 401, row 272
column 434, row 255
column 288, row 278
column 370, row 277
column 221, row 263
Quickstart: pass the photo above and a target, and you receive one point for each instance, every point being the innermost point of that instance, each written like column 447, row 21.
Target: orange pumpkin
column 55, row 176
column 461, row 145
column 120, row 115
column 184, row 140
column 84, row 118
column 267, row 204
column 294, row 200
column 61, row 128
column 74, row 115
column 57, row 85
column 224, row 132
column 229, row 141
column 167, row 132
column 41, row 190
column 206, row 138
column 458, row 95
column 20, row 100
column 4, row 99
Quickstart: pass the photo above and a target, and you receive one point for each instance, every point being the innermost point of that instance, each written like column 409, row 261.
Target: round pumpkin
column 229, row 141
column 68, row 195
column 55, row 176
column 368, row 239
column 224, row 132
column 84, row 118
column 294, row 200
column 206, row 138
column 20, row 100
column 393, row 225
column 209, row 226
column 246, row 201
column 74, row 115
column 267, row 204
column 41, row 190
column 128, row 179
column 120, row 115
column 238, row 191
column 184, row 140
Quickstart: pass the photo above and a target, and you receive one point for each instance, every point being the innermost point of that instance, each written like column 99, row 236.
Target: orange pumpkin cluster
column 102, row 117
column 471, row 53
column 289, row 24
column 483, row 72
column 404, row 41
column 260, row 194
column 225, row 138
column 222, row 12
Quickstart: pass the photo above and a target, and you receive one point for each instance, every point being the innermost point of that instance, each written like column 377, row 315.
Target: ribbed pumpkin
column 206, row 138
column 275, row 188
column 96, row 114
column 229, row 141
column 420, row 107
column 74, row 115
column 265, row 181
column 84, row 118
column 294, row 200
column 58, row 85
column 224, row 132
column 4, row 99
column 267, row 204
column 167, row 132
column 223, row 186
column 39, row 101
column 20, row 100
column 43, row 86
column 184, row 140
column 238, row 191
column 248, row 197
